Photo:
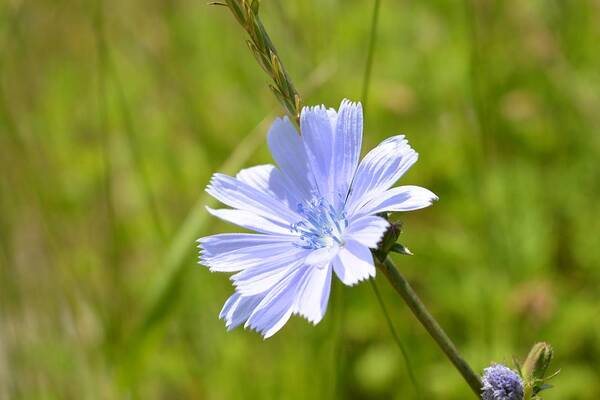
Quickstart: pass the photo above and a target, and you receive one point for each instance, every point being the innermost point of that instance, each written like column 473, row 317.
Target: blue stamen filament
column 322, row 226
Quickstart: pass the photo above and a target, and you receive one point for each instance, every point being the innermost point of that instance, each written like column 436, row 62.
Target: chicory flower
column 315, row 214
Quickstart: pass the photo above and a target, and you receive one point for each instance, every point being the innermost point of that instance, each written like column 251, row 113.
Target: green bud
column 537, row 362
column 388, row 240
column 533, row 371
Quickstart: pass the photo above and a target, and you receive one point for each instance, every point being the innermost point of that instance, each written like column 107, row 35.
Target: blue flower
column 315, row 215
column 501, row 383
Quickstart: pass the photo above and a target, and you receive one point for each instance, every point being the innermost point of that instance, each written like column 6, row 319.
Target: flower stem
column 399, row 343
column 401, row 285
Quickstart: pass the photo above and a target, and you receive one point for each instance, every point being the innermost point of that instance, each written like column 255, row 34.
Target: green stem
column 401, row 285
column 399, row 343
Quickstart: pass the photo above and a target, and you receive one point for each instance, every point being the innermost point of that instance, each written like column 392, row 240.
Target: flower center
column 322, row 225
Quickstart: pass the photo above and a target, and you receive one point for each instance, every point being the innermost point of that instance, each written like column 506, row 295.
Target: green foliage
column 113, row 115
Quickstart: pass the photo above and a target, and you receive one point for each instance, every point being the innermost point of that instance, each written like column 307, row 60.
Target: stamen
column 322, row 226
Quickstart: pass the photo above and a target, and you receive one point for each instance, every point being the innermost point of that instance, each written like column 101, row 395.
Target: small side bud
column 537, row 362
column 533, row 371
column 388, row 240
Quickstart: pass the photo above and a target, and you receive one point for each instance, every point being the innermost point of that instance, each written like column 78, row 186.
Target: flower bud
column 388, row 240
column 536, row 364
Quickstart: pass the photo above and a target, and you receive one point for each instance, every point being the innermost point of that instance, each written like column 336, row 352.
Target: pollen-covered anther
column 322, row 225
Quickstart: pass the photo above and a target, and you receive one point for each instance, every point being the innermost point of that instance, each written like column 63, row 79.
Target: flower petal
column 367, row 230
column 268, row 271
column 240, row 195
column 238, row 308
column 288, row 152
column 333, row 115
column 322, row 256
column 402, row 198
column 347, row 144
column 276, row 307
column 317, row 137
column 252, row 256
column 313, row 294
column 354, row 263
column 249, row 220
column 215, row 245
column 379, row 170
column 268, row 179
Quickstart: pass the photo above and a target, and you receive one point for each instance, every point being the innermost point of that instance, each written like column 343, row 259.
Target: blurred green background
column 114, row 114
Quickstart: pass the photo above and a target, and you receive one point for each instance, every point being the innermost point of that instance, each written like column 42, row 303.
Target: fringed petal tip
column 229, row 326
column 311, row 109
column 361, row 279
column 265, row 333
column 311, row 320
column 350, row 104
column 204, row 263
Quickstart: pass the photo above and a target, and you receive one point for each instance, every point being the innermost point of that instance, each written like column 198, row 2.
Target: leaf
column 401, row 249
